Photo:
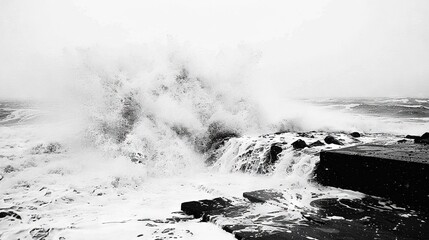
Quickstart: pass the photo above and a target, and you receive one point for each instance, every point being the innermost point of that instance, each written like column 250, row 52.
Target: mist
column 290, row 49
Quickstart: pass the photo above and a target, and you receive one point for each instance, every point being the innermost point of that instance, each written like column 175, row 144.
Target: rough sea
column 119, row 166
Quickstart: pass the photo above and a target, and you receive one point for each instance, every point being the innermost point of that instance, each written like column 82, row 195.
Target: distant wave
column 9, row 116
column 413, row 106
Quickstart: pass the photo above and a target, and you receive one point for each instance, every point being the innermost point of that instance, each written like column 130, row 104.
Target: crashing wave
column 164, row 118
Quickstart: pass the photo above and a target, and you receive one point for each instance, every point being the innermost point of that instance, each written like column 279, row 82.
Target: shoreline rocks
column 422, row 139
column 299, row 144
column 332, row 140
column 355, row 134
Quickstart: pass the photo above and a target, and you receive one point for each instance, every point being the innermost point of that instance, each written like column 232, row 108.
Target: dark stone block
column 332, row 140
column 198, row 208
column 399, row 172
column 299, row 144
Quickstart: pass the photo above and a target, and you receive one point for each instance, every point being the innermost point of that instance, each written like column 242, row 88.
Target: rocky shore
column 256, row 188
column 395, row 176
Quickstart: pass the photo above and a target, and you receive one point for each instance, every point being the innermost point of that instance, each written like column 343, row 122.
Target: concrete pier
column 399, row 172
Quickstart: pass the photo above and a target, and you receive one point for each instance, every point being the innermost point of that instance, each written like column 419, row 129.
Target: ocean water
column 97, row 171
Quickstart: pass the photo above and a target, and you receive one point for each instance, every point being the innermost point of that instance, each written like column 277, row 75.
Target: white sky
column 309, row 48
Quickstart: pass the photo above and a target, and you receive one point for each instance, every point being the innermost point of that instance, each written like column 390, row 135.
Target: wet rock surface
column 275, row 149
column 198, row 208
column 262, row 154
column 4, row 214
column 264, row 216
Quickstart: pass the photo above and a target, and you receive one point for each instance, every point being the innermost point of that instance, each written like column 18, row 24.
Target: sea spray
column 162, row 110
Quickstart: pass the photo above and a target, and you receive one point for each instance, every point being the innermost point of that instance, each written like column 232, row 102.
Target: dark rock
column 261, row 196
column 412, row 137
column 299, row 144
column 316, row 144
column 280, row 132
column 332, row 140
column 367, row 218
column 423, row 139
column 274, row 151
column 331, row 218
column 9, row 214
column 402, row 141
column 355, row 134
column 398, row 172
column 231, row 228
column 198, row 208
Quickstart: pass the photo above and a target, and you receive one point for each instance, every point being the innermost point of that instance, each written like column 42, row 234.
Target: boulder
column 198, row 208
column 332, row 140
column 423, row 139
column 299, row 144
column 316, row 144
column 355, row 134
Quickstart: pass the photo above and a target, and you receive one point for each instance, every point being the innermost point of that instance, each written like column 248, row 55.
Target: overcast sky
column 308, row 48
